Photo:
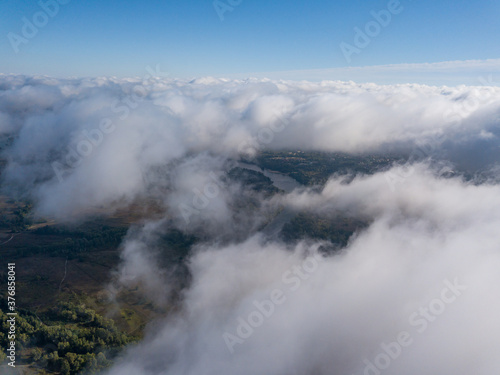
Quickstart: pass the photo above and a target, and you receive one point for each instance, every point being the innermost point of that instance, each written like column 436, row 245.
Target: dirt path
column 10, row 239
column 65, row 273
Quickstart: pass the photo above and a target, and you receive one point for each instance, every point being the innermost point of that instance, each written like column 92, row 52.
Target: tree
column 65, row 368
column 37, row 354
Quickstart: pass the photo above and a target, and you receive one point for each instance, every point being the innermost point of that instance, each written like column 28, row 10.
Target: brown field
column 43, row 280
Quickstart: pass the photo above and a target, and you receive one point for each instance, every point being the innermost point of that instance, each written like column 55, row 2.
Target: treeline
column 68, row 339
column 72, row 243
column 19, row 219
column 337, row 231
column 310, row 168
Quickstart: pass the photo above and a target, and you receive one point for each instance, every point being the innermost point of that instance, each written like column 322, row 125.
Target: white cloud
column 106, row 135
column 122, row 141
column 426, row 236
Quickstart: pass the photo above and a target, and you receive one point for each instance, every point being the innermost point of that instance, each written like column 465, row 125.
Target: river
column 281, row 181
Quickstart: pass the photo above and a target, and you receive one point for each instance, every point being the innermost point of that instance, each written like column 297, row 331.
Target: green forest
column 67, row 339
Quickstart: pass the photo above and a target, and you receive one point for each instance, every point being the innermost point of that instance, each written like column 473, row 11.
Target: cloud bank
column 414, row 292
column 104, row 142
column 423, row 272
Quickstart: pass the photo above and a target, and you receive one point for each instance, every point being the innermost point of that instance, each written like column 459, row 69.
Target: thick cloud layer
column 424, row 273
column 414, row 292
column 106, row 142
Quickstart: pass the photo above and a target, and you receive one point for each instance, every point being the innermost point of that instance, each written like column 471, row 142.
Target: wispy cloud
column 449, row 73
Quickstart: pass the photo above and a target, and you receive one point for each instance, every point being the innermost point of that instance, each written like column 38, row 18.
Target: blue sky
column 187, row 38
